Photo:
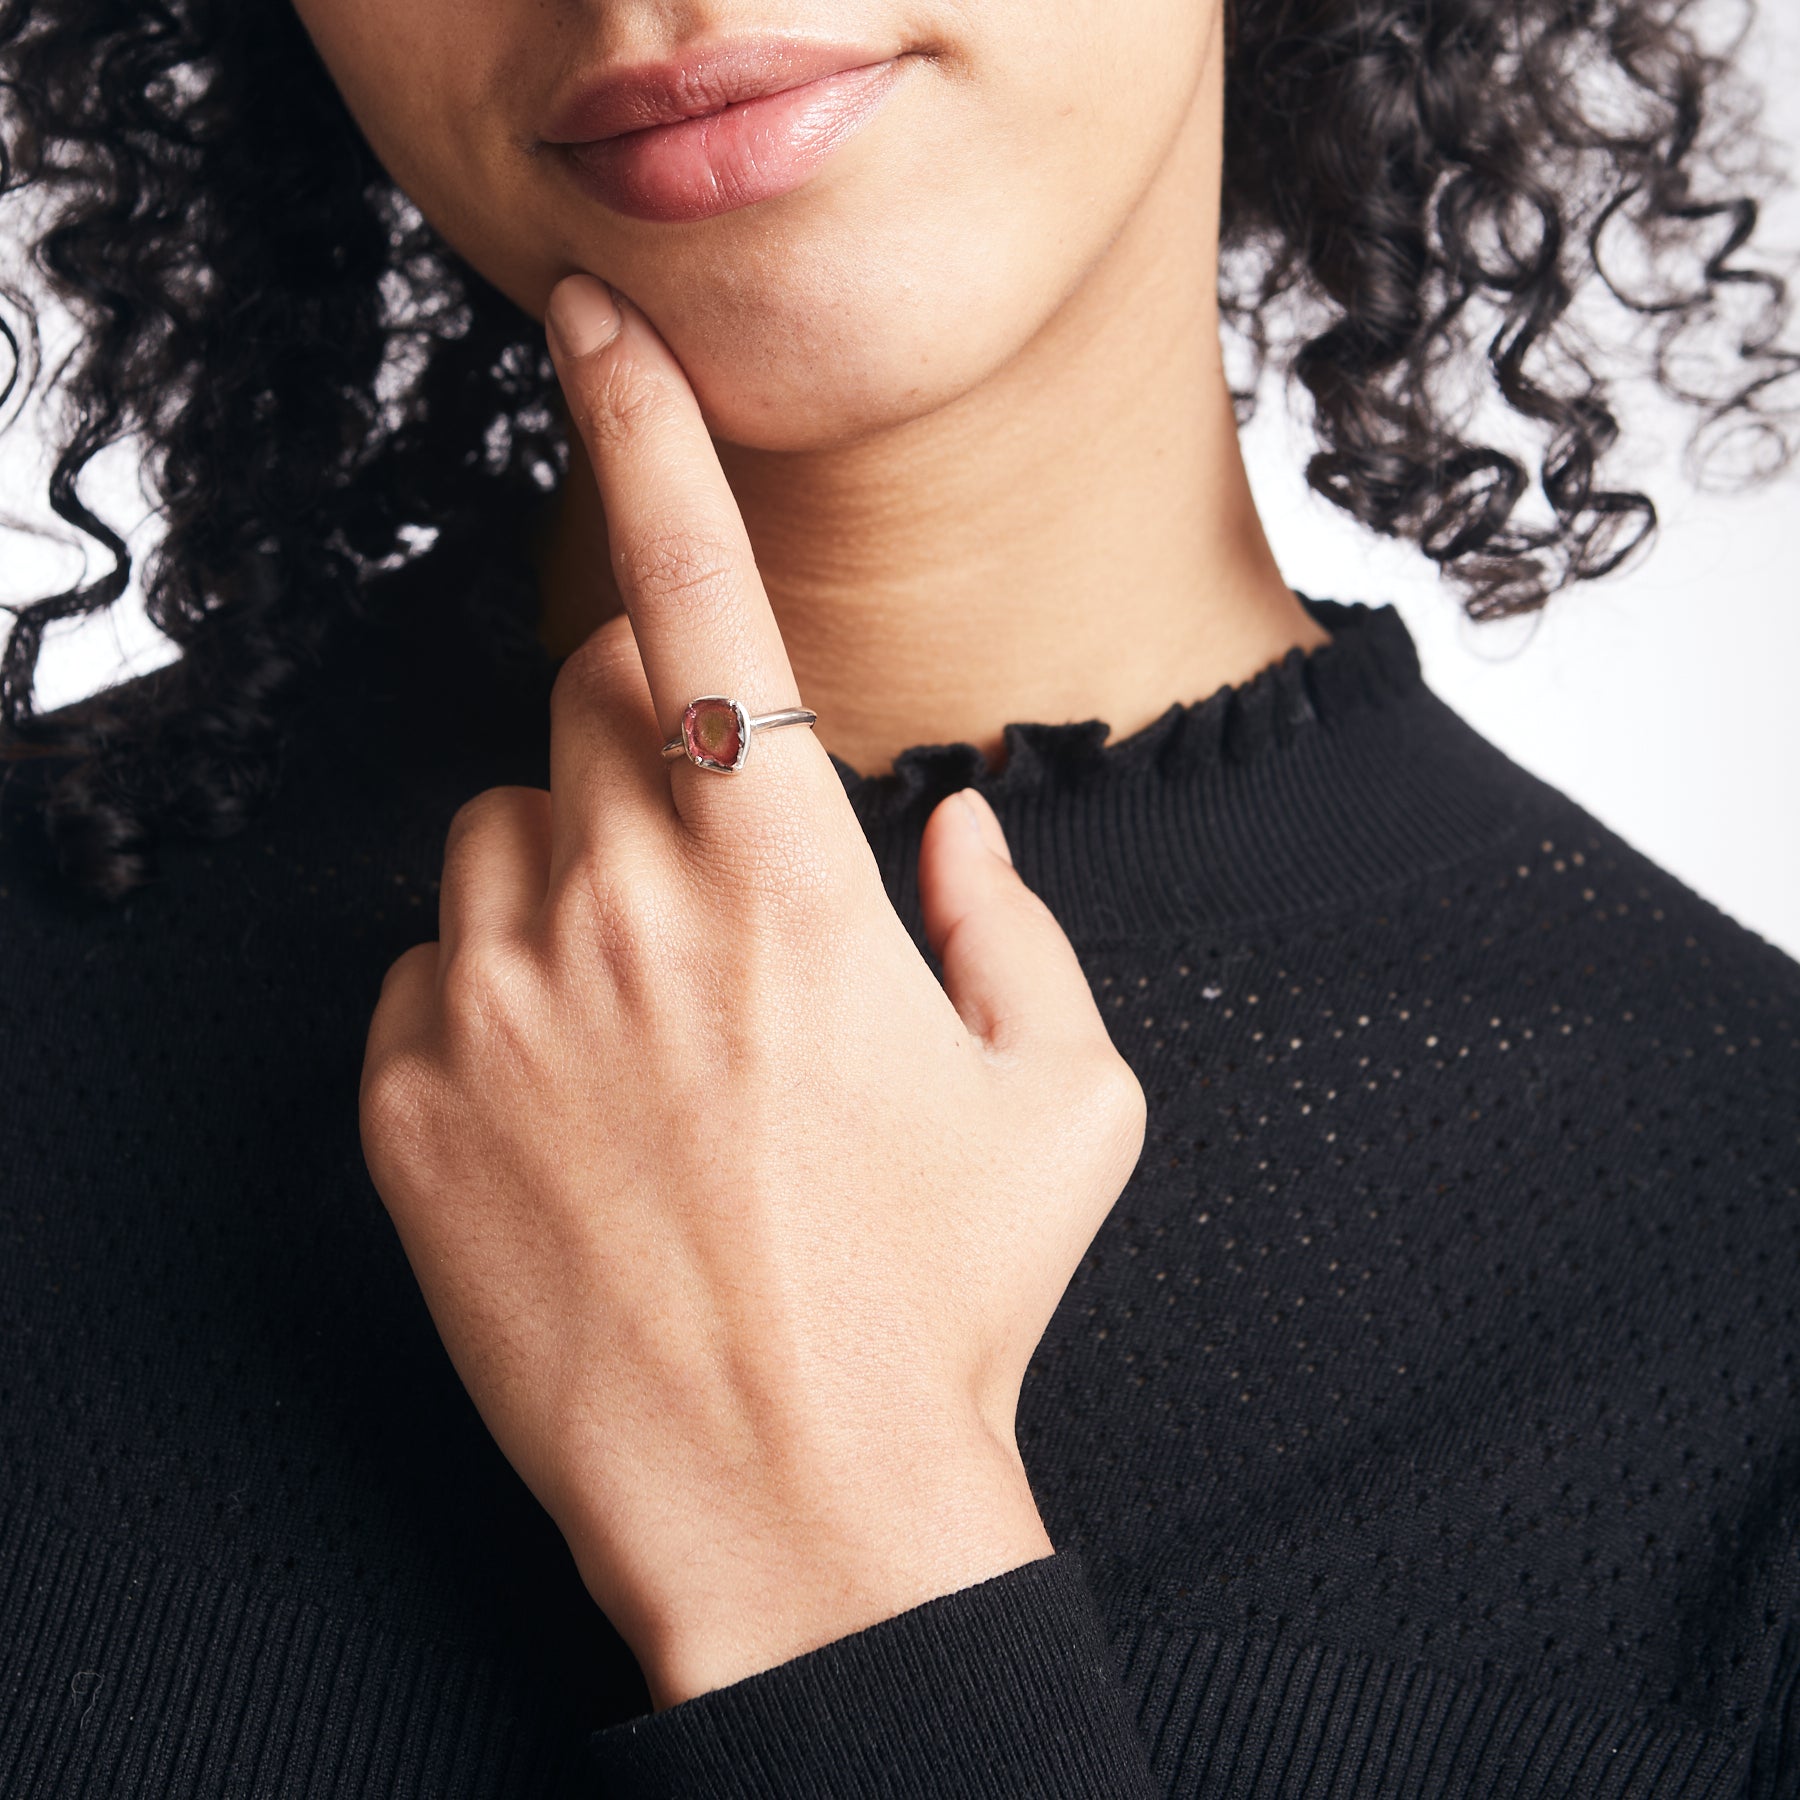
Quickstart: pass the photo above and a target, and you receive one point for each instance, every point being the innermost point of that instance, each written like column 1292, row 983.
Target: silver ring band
column 716, row 731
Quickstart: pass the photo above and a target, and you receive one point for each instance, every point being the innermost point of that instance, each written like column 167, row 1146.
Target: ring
column 716, row 731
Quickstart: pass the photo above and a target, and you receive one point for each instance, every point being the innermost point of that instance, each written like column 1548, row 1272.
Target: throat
column 947, row 620
column 1072, row 538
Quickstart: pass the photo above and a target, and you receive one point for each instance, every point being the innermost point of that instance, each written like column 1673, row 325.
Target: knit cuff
column 1004, row 1689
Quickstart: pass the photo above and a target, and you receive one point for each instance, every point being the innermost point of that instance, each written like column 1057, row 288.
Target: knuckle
column 406, row 973
column 394, row 1102
column 1121, row 1108
column 484, row 988
column 480, row 812
column 1105, row 1103
column 1031, row 911
column 681, row 567
column 597, row 671
column 1122, row 1098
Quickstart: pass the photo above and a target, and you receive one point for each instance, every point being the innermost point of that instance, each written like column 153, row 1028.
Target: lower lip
column 748, row 152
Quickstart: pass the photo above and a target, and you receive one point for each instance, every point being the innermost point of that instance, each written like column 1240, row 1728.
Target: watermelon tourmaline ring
column 716, row 731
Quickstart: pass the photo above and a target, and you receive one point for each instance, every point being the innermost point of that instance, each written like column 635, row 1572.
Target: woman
column 1254, row 1254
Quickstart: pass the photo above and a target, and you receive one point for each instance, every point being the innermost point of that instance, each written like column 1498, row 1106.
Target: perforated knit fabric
column 1422, row 1422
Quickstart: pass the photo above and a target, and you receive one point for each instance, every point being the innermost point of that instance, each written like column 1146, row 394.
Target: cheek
column 425, row 81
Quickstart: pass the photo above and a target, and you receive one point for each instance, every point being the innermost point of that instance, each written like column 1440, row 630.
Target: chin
column 813, row 327
column 834, row 381
column 792, row 372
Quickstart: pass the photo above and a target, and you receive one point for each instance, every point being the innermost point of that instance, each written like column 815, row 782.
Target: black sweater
column 1422, row 1423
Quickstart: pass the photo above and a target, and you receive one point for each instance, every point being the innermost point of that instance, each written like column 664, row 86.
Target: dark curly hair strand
column 321, row 388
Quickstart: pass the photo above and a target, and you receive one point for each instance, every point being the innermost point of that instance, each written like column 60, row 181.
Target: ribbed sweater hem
column 145, row 1678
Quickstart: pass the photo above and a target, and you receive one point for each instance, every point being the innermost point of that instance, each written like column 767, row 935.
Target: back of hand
column 738, row 1226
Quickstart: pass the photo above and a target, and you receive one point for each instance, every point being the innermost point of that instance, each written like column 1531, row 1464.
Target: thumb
column 1009, row 968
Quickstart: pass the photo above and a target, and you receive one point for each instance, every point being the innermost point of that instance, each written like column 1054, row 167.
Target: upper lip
column 697, row 82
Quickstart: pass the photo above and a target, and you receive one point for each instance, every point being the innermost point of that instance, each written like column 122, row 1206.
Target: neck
column 1074, row 539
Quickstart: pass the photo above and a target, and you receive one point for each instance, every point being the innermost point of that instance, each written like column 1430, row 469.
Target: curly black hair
column 321, row 387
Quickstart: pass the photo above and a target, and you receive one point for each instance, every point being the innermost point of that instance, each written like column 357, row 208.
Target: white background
column 1666, row 699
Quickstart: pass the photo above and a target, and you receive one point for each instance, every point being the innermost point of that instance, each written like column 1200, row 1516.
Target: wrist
column 772, row 1577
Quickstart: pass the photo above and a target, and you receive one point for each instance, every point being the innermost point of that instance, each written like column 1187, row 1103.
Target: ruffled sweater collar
column 1369, row 661
column 1323, row 779
column 1326, row 779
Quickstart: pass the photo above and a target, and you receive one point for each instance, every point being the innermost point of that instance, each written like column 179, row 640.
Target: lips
column 718, row 129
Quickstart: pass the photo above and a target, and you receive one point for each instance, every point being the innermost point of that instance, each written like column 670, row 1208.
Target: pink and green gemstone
column 716, row 733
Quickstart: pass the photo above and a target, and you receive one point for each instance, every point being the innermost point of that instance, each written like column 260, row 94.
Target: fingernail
column 986, row 823
column 582, row 315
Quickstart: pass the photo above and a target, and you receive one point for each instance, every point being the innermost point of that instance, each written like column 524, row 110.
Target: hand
column 738, row 1227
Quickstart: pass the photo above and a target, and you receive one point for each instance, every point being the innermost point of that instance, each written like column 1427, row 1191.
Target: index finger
column 681, row 555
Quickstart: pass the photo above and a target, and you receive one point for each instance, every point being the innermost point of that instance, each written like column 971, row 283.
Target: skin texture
column 853, row 273
column 739, row 1227
column 965, row 383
